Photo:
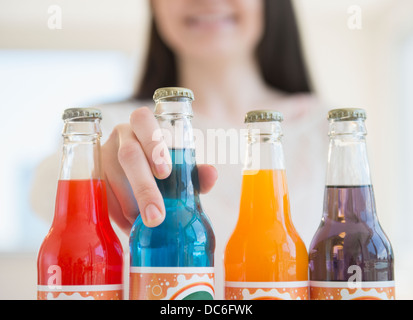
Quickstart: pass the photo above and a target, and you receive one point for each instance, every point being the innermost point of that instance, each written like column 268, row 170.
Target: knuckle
column 119, row 128
column 127, row 152
column 150, row 146
column 117, row 132
column 140, row 115
column 146, row 191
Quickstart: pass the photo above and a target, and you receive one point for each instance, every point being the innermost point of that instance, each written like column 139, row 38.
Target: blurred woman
column 236, row 55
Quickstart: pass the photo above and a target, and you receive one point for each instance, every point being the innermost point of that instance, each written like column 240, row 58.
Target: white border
column 353, row 284
column 57, row 288
column 275, row 285
column 177, row 270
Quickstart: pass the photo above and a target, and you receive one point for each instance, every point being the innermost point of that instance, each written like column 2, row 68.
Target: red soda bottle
column 81, row 256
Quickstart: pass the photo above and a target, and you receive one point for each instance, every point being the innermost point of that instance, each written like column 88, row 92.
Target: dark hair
column 279, row 55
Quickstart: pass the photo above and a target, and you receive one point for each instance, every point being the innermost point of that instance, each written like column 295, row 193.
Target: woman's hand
column 130, row 169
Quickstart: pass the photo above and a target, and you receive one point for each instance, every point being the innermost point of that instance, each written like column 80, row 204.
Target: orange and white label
column 291, row 290
column 96, row 292
column 340, row 290
column 177, row 283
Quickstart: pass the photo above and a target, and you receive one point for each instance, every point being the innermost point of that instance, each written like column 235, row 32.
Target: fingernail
column 152, row 214
column 163, row 168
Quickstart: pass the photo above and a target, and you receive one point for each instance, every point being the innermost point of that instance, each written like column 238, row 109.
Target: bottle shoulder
column 351, row 241
column 276, row 231
column 330, row 228
column 269, row 241
column 182, row 222
column 71, row 241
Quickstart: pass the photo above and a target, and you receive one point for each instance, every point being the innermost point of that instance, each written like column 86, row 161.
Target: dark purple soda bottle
column 350, row 257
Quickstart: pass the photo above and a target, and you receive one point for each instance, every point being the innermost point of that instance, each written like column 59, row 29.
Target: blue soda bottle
column 175, row 260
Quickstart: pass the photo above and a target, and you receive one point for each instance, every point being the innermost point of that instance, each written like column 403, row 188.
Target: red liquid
column 81, row 240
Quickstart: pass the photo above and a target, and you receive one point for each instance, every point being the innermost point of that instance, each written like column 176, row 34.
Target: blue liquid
column 185, row 238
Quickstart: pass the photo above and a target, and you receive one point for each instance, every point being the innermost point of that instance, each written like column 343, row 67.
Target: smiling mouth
column 210, row 20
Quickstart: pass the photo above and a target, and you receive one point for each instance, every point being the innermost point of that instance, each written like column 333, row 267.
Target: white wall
column 362, row 68
column 95, row 56
column 349, row 67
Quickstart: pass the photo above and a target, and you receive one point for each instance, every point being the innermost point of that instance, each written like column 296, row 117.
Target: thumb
column 208, row 175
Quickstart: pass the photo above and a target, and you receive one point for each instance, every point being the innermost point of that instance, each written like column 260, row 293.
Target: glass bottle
column 81, row 257
column 350, row 257
column 175, row 260
column 265, row 258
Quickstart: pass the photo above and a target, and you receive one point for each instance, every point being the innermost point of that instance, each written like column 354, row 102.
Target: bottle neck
column 351, row 204
column 81, row 194
column 174, row 117
column 347, row 163
column 81, row 150
column 264, row 147
column 349, row 195
column 264, row 198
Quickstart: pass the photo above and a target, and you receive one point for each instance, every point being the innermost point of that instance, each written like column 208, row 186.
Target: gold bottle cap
column 263, row 116
column 82, row 114
column 347, row 114
column 171, row 92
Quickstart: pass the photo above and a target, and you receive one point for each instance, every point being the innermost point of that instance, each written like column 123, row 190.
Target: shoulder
column 118, row 110
column 115, row 113
column 303, row 112
column 305, row 124
column 301, row 106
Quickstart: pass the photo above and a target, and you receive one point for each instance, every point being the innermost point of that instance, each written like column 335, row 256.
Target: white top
column 305, row 145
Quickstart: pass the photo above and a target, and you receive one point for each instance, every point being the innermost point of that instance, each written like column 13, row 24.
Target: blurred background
column 360, row 54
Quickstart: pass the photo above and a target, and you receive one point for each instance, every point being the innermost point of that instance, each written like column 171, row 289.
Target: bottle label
column 94, row 292
column 175, row 283
column 341, row 290
column 289, row 290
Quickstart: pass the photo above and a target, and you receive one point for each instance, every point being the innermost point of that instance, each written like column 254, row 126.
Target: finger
column 207, row 175
column 139, row 174
column 122, row 205
column 116, row 212
column 149, row 135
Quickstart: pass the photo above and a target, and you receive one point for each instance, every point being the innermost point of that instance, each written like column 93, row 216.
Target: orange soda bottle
column 265, row 258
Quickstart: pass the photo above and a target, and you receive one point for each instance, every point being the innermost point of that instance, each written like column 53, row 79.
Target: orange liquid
column 265, row 247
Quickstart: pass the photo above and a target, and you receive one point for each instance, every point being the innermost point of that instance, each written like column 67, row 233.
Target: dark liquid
column 350, row 235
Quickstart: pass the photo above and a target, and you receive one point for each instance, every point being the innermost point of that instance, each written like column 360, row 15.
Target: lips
column 210, row 20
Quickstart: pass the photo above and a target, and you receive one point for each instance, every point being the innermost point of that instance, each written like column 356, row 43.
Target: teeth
column 210, row 17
